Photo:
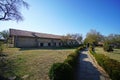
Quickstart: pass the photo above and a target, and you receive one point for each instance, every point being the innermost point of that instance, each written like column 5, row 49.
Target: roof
column 23, row 33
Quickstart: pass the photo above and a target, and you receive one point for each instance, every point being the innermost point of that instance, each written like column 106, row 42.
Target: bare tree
column 76, row 36
column 64, row 40
column 10, row 9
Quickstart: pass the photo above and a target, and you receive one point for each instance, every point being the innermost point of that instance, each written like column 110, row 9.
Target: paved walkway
column 88, row 69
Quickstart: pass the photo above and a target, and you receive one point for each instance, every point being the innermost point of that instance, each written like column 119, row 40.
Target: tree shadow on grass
column 85, row 70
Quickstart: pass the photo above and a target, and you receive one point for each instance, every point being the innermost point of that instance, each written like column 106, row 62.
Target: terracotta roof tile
column 15, row 32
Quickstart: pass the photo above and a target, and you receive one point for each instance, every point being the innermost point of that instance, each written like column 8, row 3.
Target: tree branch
column 9, row 9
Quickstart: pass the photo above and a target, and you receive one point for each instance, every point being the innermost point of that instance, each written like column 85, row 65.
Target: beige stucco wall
column 51, row 41
column 25, row 42
column 35, row 42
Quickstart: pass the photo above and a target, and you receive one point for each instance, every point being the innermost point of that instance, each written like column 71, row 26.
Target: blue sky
column 69, row 16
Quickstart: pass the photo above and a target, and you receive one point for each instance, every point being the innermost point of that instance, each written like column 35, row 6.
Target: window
column 49, row 44
column 59, row 44
column 54, row 44
column 41, row 44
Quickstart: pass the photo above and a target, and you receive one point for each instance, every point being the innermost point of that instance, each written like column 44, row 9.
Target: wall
column 35, row 42
column 46, row 42
column 39, row 42
column 24, row 42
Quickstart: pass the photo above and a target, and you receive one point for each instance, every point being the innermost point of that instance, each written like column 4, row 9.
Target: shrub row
column 112, row 67
column 64, row 71
column 60, row 71
column 72, row 58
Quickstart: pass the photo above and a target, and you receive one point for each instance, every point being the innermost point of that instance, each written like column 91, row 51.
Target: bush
column 107, row 47
column 60, row 71
column 1, row 47
column 71, row 59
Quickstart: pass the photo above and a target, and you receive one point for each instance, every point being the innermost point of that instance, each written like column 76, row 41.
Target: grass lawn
column 114, row 55
column 32, row 63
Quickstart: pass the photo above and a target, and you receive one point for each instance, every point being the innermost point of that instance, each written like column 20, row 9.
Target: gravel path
column 88, row 69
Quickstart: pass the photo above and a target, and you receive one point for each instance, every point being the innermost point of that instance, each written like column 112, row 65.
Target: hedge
column 112, row 67
column 64, row 71
column 72, row 58
column 60, row 71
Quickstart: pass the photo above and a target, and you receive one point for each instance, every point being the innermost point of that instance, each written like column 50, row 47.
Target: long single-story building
column 22, row 39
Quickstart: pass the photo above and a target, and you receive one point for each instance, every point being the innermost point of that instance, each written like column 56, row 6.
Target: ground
column 114, row 55
column 32, row 64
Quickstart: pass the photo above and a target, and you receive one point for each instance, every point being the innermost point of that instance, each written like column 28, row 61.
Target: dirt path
column 88, row 69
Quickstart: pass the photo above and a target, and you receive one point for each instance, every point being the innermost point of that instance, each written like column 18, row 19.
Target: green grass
column 114, row 55
column 35, row 63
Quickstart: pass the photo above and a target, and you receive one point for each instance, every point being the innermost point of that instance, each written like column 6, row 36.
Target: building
column 23, row 39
